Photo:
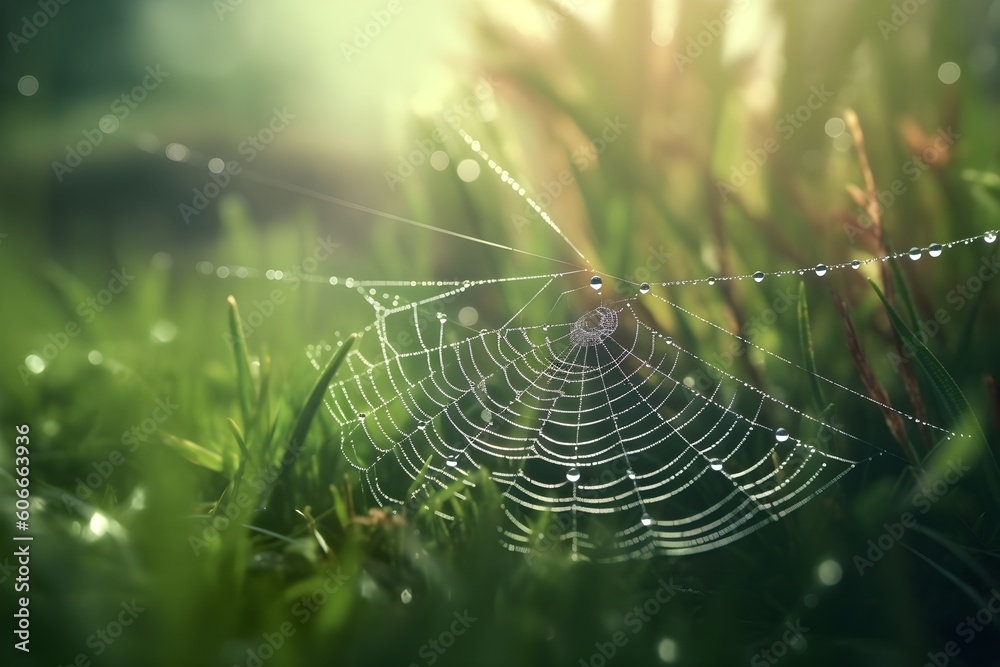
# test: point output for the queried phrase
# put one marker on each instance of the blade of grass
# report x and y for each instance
(244, 381)
(316, 396)
(944, 386)
(808, 352)
(961, 585)
(875, 390)
(195, 453)
(971, 440)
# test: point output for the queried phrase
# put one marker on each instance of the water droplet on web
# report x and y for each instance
(855, 264)
(915, 253)
(644, 288)
(711, 281)
(758, 277)
(452, 461)
(646, 519)
(630, 473)
(781, 435)
(596, 282)
(669, 340)
(935, 250)
(821, 269)
(361, 416)
(406, 597)
(990, 237)
(572, 475)
(715, 464)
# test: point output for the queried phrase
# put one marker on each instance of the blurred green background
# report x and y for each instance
(123, 125)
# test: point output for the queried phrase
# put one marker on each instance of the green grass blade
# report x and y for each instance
(944, 386)
(316, 395)
(195, 453)
(971, 442)
(808, 351)
(904, 291)
(244, 381)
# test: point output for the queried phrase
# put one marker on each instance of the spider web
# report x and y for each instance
(616, 437)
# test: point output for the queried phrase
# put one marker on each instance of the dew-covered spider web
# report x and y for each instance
(630, 439)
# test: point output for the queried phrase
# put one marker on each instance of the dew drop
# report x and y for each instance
(715, 464)
(758, 277)
(821, 269)
(630, 473)
(596, 282)
(855, 264)
(990, 237)
(406, 597)
(669, 340)
(361, 416)
(646, 519)
(915, 253)
(935, 250)
(711, 281)
(644, 288)
(451, 461)
(572, 475)
(781, 435)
